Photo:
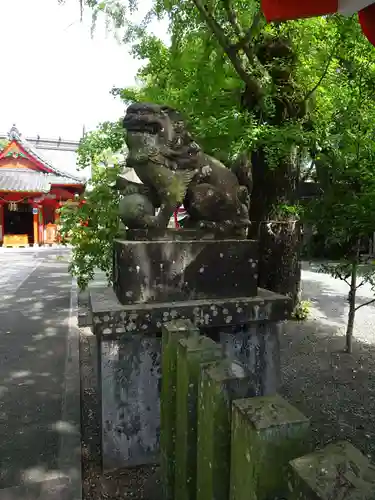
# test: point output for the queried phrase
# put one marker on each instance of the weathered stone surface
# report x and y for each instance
(338, 472)
(257, 347)
(169, 234)
(191, 353)
(220, 384)
(174, 170)
(112, 319)
(267, 432)
(130, 399)
(173, 331)
(159, 271)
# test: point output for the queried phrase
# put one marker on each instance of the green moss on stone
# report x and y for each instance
(267, 432)
(337, 472)
(191, 354)
(172, 332)
(219, 385)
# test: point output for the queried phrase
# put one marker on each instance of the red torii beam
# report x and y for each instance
(284, 10)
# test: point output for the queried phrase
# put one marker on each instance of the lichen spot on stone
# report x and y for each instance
(201, 270)
(239, 310)
(254, 264)
(106, 318)
(174, 314)
(158, 324)
(206, 170)
(107, 331)
(225, 311)
(131, 326)
(129, 293)
(221, 255)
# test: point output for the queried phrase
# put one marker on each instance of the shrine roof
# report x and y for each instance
(24, 180)
(56, 176)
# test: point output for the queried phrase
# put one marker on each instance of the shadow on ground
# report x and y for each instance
(33, 332)
(336, 390)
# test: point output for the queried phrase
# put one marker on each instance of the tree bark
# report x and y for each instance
(279, 259)
(279, 240)
(351, 314)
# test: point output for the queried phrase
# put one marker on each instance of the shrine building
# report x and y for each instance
(31, 192)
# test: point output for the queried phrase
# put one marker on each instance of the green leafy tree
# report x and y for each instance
(345, 212)
(91, 224)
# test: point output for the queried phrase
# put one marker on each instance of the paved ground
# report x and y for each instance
(336, 390)
(35, 330)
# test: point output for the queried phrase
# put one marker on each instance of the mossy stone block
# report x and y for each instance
(267, 432)
(337, 472)
(220, 384)
(191, 354)
(172, 332)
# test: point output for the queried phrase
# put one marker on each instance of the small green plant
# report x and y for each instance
(302, 310)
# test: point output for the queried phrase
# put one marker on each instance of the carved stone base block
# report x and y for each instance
(130, 389)
(179, 270)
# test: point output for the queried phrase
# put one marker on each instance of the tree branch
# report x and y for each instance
(232, 18)
(365, 304)
(361, 284)
(249, 34)
(224, 42)
(310, 93)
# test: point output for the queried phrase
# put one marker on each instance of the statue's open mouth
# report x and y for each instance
(143, 118)
(141, 126)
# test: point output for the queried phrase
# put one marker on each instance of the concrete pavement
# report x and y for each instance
(39, 378)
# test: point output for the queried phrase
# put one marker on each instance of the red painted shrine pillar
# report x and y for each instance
(41, 224)
(1, 222)
(57, 221)
(36, 225)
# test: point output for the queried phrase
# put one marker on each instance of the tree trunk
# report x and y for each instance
(279, 260)
(279, 240)
(352, 301)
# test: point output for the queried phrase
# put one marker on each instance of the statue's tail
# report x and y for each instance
(242, 168)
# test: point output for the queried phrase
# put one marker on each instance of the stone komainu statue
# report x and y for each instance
(174, 170)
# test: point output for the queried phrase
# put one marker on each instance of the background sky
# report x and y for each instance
(56, 78)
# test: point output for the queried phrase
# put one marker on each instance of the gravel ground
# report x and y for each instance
(336, 390)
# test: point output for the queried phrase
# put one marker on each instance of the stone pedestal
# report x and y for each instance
(210, 282)
(148, 272)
